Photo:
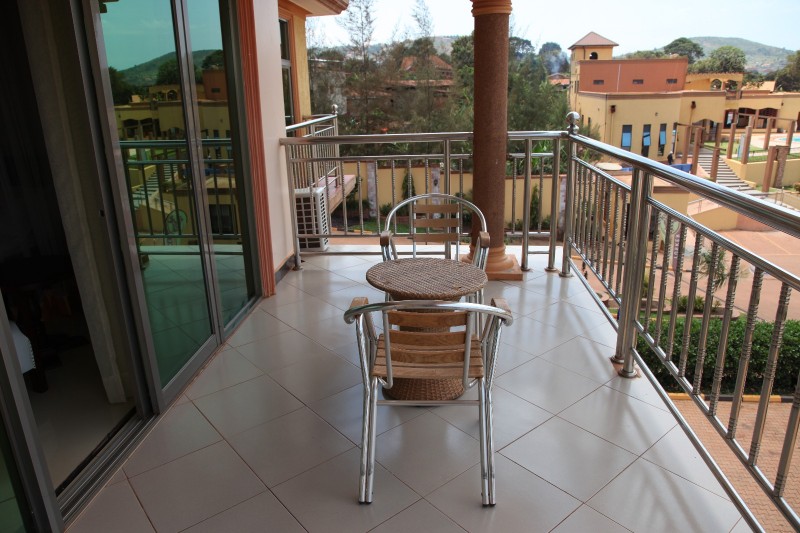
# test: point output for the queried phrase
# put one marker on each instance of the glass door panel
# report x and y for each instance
(10, 489)
(145, 79)
(224, 191)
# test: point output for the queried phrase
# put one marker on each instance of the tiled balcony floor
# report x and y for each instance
(265, 438)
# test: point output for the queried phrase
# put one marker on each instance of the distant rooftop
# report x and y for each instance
(593, 39)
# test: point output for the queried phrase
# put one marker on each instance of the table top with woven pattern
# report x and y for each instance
(426, 278)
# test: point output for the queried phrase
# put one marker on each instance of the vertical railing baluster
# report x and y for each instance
(623, 241)
(603, 270)
(709, 303)
(789, 443)
(769, 373)
(651, 276)
(597, 222)
(289, 150)
(676, 291)
(514, 197)
(662, 291)
(447, 162)
(613, 261)
(393, 166)
(555, 197)
(722, 347)
(526, 205)
(747, 351)
(687, 324)
(572, 146)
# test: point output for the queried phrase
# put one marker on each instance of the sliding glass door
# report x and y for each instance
(171, 92)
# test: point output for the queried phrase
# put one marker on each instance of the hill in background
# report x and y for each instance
(145, 74)
(760, 57)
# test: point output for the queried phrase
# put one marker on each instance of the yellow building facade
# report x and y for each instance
(655, 123)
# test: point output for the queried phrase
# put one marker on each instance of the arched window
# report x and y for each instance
(593, 55)
(716, 85)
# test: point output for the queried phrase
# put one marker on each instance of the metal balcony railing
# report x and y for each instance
(630, 247)
(162, 196)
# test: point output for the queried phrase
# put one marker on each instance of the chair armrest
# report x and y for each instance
(502, 304)
(388, 249)
(485, 240)
(358, 301)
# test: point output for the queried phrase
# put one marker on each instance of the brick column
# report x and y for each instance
(491, 128)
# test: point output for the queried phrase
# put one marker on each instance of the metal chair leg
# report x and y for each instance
(372, 436)
(362, 479)
(483, 442)
(489, 446)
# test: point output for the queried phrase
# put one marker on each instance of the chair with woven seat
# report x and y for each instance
(437, 218)
(428, 340)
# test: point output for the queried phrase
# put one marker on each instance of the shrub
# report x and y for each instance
(788, 360)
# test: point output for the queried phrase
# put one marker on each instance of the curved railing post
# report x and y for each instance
(573, 119)
(633, 276)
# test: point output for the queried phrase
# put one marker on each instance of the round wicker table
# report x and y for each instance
(426, 278)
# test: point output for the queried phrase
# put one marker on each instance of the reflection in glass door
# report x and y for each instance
(10, 488)
(222, 176)
(167, 68)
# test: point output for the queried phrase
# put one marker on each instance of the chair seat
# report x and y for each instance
(428, 362)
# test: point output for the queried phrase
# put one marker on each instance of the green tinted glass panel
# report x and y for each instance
(10, 514)
(224, 191)
(145, 80)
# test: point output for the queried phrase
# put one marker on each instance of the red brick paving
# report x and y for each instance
(754, 496)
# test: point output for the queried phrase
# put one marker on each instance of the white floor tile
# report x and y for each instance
(525, 502)
(620, 419)
(587, 519)
(426, 452)
(546, 385)
(246, 405)
(345, 409)
(569, 457)
(325, 498)
(676, 453)
(659, 495)
(282, 448)
(513, 417)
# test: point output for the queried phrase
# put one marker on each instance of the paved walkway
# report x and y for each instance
(778, 414)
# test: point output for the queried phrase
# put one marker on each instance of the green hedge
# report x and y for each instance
(788, 360)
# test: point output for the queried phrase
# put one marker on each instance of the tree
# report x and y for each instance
(121, 90)
(214, 61)
(533, 103)
(723, 59)
(168, 73)
(645, 54)
(788, 78)
(554, 59)
(686, 48)
(326, 77)
(361, 66)
(422, 52)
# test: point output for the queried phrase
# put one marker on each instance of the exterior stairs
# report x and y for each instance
(727, 178)
(725, 175)
(138, 196)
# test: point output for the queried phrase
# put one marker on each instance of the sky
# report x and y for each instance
(136, 31)
(626, 22)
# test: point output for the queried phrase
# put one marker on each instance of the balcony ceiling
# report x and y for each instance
(318, 8)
